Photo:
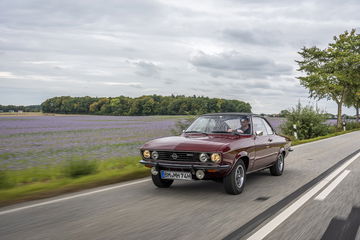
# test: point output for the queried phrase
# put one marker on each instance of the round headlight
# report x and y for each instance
(155, 155)
(216, 157)
(203, 157)
(146, 154)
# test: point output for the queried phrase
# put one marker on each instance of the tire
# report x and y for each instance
(234, 182)
(161, 183)
(278, 168)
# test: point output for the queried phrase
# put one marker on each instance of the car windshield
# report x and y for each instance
(221, 124)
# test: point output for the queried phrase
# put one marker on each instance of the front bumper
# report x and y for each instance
(184, 166)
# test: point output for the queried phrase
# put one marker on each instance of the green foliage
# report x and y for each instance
(331, 72)
(30, 108)
(352, 125)
(309, 122)
(182, 124)
(79, 167)
(145, 105)
(5, 181)
(284, 113)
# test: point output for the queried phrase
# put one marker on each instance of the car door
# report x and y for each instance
(263, 151)
(273, 142)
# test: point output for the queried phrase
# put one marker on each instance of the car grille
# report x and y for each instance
(178, 156)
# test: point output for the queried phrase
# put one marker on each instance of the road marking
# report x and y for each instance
(332, 186)
(274, 223)
(72, 197)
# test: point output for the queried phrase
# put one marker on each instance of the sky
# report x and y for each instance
(233, 49)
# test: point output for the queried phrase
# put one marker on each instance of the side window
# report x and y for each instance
(259, 125)
(268, 128)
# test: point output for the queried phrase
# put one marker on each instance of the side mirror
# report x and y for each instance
(183, 131)
(259, 133)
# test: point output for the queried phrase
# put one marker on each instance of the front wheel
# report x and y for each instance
(161, 183)
(278, 168)
(234, 182)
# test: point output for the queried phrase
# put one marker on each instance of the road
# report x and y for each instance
(285, 207)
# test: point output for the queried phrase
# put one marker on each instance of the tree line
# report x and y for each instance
(144, 105)
(333, 73)
(30, 108)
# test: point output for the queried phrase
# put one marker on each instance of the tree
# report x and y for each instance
(352, 99)
(331, 72)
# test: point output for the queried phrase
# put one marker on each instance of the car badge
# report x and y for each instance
(174, 156)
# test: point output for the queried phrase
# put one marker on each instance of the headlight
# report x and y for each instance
(203, 157)
(155, 155)
(146, 154)
(216, 157)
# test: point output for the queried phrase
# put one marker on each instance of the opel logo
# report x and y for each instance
(174, 156)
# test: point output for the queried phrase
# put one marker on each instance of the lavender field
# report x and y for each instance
(29, 141)
(32, 141)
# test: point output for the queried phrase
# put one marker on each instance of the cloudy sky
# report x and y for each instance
(233, 49)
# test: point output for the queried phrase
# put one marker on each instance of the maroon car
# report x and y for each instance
(220, 146)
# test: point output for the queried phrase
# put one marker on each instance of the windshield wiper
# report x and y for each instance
(196, 132)
(220, 132)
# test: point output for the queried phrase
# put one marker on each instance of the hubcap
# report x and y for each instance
(280, 163)
(239, 176)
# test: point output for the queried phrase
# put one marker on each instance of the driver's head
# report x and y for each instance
(244, 122)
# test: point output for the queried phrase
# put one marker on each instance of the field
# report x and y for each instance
(36, 140)
(32, 141)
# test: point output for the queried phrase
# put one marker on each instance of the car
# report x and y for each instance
(224, 147)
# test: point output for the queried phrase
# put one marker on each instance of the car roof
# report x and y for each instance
(231, 113)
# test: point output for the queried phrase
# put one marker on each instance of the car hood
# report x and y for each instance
(191, 143)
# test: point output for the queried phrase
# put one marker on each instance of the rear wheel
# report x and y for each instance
(235, 181)
(278, 168)
(161, 183)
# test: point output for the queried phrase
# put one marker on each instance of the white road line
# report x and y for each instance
(332, 186)
(275, 222)
(72, 197)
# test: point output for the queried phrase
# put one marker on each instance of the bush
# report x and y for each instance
(79, 167)
(182, 124)
(352, 125)
(309, 122)
(5, 181)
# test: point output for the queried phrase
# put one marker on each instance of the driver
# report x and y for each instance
(245, 126)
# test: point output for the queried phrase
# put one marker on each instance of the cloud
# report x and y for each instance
(233, 49)
(147, 69)
(132, 84)
(7, 75)
(253, 37)
(234, 65)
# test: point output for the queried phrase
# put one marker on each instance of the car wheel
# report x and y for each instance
(234, 182)
(161, 183)
(278, 168)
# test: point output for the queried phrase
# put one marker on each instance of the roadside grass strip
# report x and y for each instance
(37, 183)
(298, 142)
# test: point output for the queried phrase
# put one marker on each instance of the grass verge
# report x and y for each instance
(36, 183)
(297, 142)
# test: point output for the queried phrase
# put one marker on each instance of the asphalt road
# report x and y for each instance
(202, 210)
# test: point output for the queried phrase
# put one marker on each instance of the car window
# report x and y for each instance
(259, 125)
(268, 128)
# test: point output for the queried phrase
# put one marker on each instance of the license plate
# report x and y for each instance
(175, 175)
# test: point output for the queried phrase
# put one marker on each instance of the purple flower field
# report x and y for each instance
(46, 140)
(29, 141)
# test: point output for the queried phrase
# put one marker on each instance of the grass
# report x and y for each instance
(78, 174)
(297, 142)
(37, 183)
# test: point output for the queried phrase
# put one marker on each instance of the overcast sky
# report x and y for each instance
(232, 49)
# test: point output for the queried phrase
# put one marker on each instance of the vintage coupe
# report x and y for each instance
(221, 146)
